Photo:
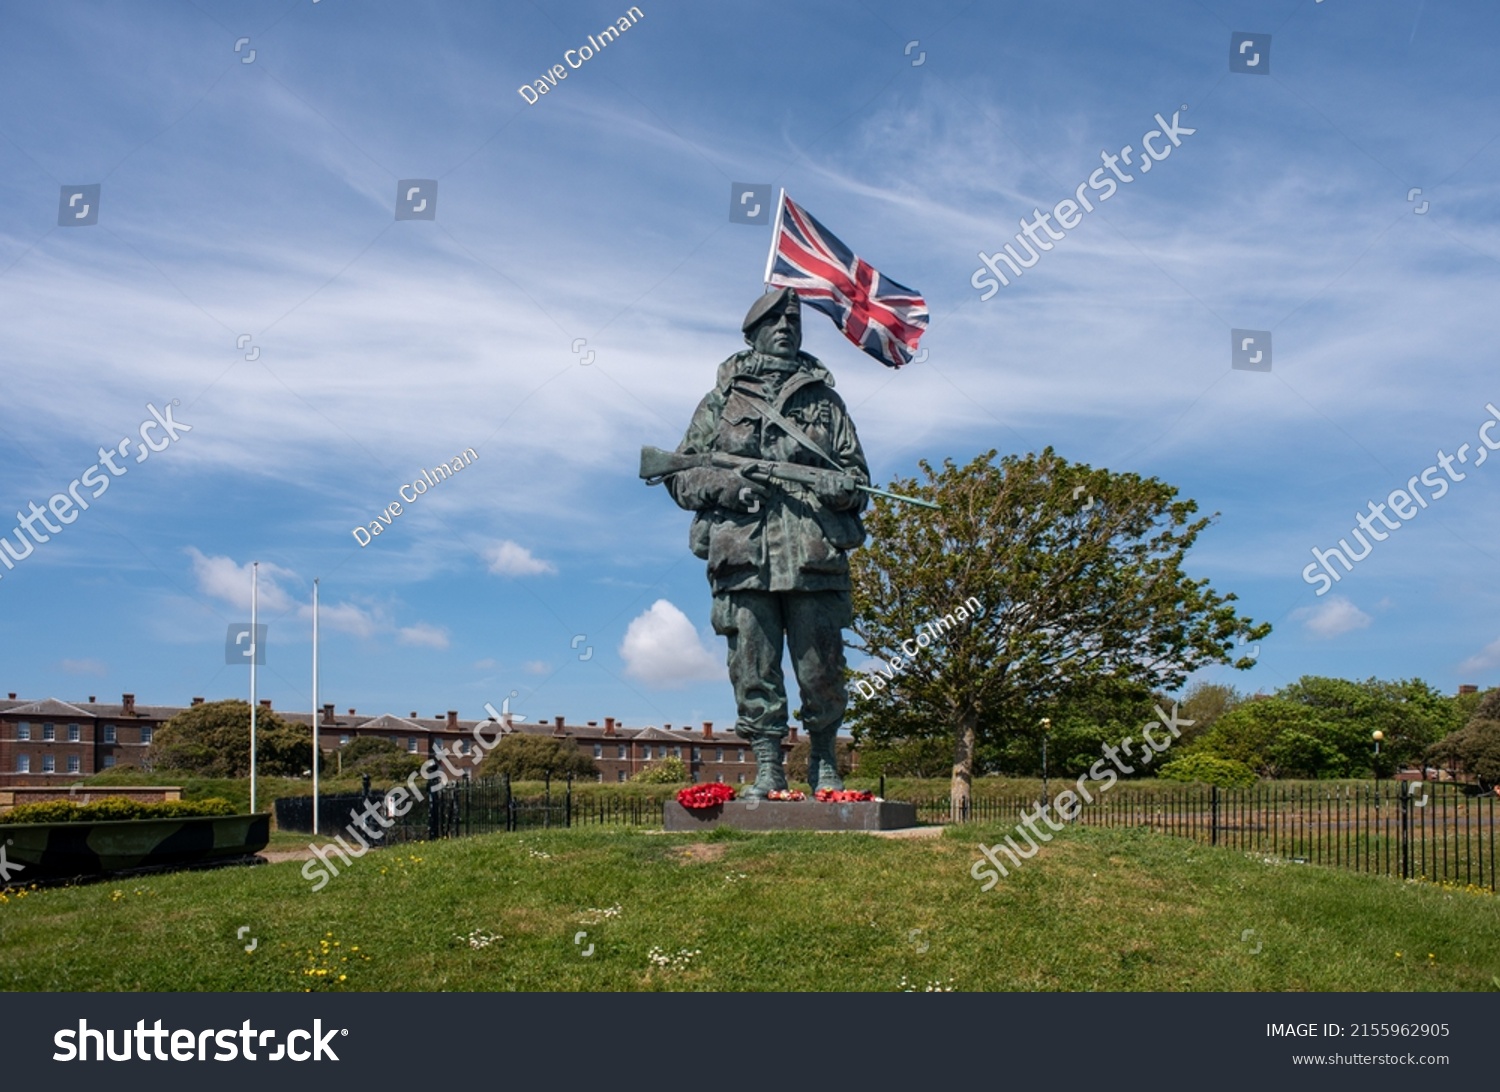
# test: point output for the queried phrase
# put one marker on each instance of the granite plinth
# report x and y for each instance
(769, 815)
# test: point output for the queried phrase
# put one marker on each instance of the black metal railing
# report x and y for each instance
(1442, 832)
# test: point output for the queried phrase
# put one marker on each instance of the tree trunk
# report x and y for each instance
(963, 765)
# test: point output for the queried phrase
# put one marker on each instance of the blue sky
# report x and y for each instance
(256, 197)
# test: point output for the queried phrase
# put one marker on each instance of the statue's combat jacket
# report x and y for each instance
(794, 542)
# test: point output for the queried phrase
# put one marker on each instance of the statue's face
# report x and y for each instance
(779, 334)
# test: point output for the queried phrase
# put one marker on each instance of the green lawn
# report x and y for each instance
(1097, 910)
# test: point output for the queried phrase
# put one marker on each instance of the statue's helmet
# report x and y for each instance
(772, 303)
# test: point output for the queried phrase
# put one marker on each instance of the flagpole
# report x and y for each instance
(775, 235)
(254, 655)
(317, 751)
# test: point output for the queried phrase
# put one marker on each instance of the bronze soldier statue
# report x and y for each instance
(773, 469)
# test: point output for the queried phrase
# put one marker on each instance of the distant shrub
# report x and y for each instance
(664, 771)
(1227, 773)
(113, 808)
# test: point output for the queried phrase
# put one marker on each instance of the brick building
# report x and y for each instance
(51, 741)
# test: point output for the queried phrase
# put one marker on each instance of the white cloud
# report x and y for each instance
(424, 635)
(230, 583)
(1337, 616)
(662, 649)
(84, 667)
(507, 558)
(537, 667)
(486, 664)
(347, 618)
(1486, 659)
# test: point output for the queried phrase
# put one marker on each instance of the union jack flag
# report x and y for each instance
(883, 318)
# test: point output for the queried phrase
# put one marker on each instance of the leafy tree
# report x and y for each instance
(1204, 704)
(213, 740)
(379, 758)
(1474, 748)
(1031, 595)
(528, 757)
(664, 771)
(915, 757)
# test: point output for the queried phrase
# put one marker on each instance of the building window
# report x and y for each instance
(146, 733)
(109, 733)
(624, 751)
(49, 764)
(677, 752)
(49, 731)
(718, 754)
(742, 779)
(109, 761)
(343, 738)
(465, 746)
(697, 754)
(73, 736)
(23, 730)
(646, 751)
(72, 763)
(741, 758)
(411, 744)
(598, 750)
(23, 763)
(619, 775)
(720, 779)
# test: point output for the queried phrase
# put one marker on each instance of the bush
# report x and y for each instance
(113, 808)
(664, 771)
(381, 759)
(527, 757)
(797, 758)
(213, 740)
(1227, 773)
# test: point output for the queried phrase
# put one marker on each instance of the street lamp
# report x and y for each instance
(1046, 727)
(1377, 736)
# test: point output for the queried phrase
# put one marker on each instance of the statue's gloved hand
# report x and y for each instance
(713, 487)
(840, 494)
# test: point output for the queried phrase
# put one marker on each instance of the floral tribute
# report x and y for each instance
(786, 794)
(842, 796)
(709, 794)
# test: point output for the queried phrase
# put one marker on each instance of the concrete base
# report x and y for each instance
(766, 815)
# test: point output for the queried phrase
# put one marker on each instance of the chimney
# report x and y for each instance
(559, 722)
(92, 699)
(13, 697)
(593, 724)
(708, 729)
(265, 703)
(794, 733)
(609, 726)
(666, 727)
(328, 714)
(1466, 688)
(453, 719)
(197, 701)
(351, 712)
(127, 701)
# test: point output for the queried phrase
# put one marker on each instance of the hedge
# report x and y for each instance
(113, 808)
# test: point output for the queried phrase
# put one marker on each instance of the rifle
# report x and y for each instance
(658, 465)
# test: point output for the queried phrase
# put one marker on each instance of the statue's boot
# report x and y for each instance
(823, 762)
(769, 775)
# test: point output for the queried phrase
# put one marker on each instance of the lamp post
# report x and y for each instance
(1377, 736)
(1046, 723)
